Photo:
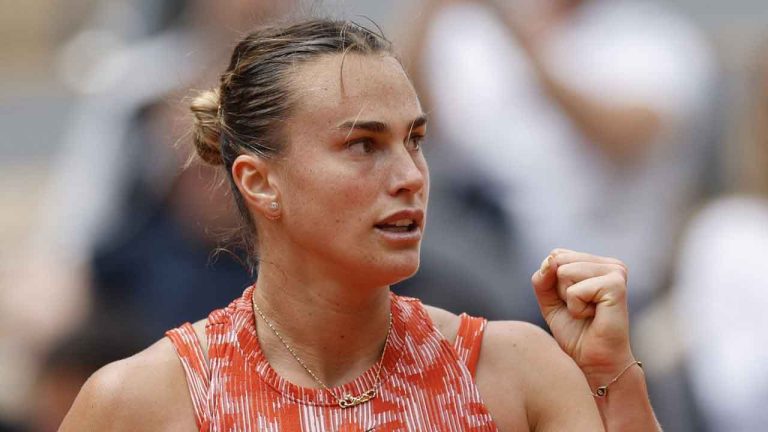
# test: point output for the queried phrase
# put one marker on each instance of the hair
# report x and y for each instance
(245, 114)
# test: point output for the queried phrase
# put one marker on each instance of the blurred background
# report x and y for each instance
(630, 128)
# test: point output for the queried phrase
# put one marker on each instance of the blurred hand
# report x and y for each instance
(583, 299)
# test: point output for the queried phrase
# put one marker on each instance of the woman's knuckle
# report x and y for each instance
(616, 278)
(559, 251)
(620, 270)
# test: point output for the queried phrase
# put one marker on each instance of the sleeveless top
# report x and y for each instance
(426, 383)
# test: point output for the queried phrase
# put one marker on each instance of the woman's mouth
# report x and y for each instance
(398, 226)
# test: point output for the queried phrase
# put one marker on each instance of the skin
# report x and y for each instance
(325, 272)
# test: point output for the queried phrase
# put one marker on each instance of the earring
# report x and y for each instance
(274, 211)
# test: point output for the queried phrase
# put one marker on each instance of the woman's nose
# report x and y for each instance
(409, 173)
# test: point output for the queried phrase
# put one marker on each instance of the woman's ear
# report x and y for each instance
(252, 178)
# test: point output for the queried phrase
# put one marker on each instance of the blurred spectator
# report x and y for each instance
(155, 263)
(71, 361)
(158, 266)
(721, 293)
(118, 161)
(108, 191)
(590, 117)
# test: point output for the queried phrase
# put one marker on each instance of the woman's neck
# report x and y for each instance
(336, 328)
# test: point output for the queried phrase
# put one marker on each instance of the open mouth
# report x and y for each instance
(399, 226)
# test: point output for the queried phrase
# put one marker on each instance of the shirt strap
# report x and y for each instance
(469, 338)
(190, 352)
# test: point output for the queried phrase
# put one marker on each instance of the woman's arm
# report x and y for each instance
(529, 383)
(626, 406)
(146, 392)
(583, 298)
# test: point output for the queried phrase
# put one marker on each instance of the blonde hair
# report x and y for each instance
(207, 127)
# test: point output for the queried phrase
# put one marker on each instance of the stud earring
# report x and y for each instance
(274, 211)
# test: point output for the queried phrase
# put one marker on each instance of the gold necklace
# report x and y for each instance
(347, 400)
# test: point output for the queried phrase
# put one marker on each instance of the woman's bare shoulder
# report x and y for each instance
(147, 391)
(498, 334)
(522, 338)
(447, 323)
(523, 373)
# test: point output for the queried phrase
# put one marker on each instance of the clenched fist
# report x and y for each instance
(583, 299)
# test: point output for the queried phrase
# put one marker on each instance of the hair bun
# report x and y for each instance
(207, 127)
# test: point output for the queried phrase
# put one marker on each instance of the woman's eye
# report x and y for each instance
(415, 141)
(361, 146)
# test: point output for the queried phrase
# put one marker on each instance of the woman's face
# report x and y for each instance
(354, 184)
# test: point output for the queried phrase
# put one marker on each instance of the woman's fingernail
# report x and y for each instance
(545, 265)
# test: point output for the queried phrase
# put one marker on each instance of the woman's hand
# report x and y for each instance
(583, 299)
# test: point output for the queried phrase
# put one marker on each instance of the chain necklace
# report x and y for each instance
(347, 400)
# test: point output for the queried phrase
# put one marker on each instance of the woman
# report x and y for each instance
(320, 132)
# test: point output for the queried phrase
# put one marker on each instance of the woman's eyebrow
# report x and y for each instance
(377, 126)
(369, 125)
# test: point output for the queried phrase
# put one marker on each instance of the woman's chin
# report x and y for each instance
(382, 269)
(398, 272)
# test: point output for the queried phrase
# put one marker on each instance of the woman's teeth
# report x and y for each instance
(401, 225)
(403, 222)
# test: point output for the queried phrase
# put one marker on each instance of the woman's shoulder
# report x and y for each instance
(447, 323)
(519, 336)
(523, 373)
(512, 348)
(498, 335)
(147, 391)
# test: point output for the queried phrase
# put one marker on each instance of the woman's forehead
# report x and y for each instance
(353, 85)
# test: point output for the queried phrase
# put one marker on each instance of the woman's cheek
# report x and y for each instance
(360, 191)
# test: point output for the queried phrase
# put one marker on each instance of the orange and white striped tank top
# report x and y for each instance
(426, 383)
